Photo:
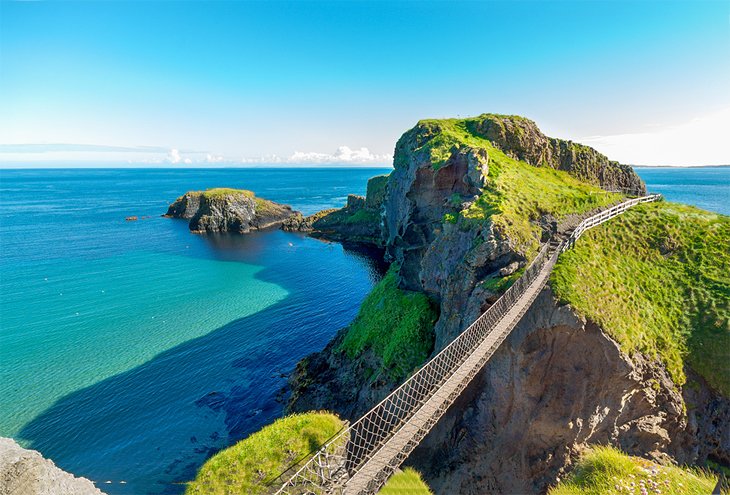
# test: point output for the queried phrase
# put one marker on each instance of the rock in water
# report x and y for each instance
(228, 210)
(26, 472)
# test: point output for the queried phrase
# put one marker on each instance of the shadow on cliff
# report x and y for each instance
(154, 425)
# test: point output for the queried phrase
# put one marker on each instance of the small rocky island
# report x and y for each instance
(238, 211)
(228, 210)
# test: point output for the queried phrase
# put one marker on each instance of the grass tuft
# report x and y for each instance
(247, 466)
(608, 471)
(405, 482)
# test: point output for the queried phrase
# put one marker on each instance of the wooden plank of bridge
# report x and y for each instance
(359, 482)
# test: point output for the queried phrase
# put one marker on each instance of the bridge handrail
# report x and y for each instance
(366, 435)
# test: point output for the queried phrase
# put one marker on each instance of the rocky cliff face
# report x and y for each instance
(228, 210)
(450, 261)
(26, 472)
(559, 382)
(522, 139)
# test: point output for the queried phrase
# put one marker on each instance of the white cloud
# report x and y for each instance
(702, 141)
(174, 156)
(343, 154)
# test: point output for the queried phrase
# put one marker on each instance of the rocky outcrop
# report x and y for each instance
(228, 210)
(451, 262)
(330, 380)
(359, 221)
(522, 139)
(557, 384)
(26, 472)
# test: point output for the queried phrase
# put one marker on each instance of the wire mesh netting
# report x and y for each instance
(361, 457)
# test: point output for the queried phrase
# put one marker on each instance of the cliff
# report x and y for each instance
(465, 209)
(26, 472)
(228, 210)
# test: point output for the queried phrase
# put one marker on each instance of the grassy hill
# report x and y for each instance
(657, 279)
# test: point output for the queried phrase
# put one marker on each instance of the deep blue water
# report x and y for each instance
(705, 187)
(131, 351)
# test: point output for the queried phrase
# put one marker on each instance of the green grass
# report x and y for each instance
(499, 285)
(516, 193)
(396, 324)
(263, 206)
(363, 216)
(221, 192)
(607, 471)
(657, 279)
(406, 482)
(247, 466)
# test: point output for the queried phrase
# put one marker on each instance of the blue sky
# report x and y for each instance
(177, 83)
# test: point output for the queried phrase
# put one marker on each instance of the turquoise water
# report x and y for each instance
(130, 351)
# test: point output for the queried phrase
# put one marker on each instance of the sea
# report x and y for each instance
(131, 351)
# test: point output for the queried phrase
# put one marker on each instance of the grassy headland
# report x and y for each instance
(657, 279)
(247, 466)
(607, 471)
(516, 193)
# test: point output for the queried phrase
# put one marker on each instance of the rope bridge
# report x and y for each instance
(361, 458)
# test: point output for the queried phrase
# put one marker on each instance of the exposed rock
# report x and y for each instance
(522, 139)
(228, 210)
(330, 380)
(26, 472)
(559, 382)
(556, 384)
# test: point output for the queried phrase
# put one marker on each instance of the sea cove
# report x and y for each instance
(130, 350)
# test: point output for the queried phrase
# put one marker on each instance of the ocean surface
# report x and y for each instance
(705, 187)
(132, 351)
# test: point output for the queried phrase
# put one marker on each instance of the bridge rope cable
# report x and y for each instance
(361, 457)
